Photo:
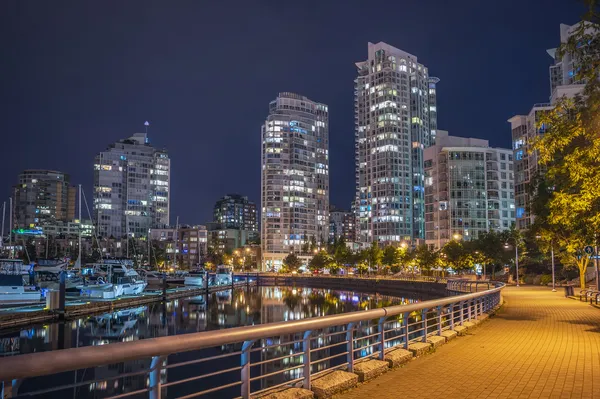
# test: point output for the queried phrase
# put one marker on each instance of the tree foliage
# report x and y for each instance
(567, 197)
(292, 262)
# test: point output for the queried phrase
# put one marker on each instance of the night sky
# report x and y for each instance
(78, 75)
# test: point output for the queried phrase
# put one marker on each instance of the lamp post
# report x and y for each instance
(516, 254)
(552, 255)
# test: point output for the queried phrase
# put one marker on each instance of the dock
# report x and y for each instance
(77, 306)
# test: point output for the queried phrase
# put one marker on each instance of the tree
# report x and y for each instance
(313, 244)
(341, 254)
(375, 255)
(569, 153)
(426, 259)
(390, 256)
(319, 261)
(456, 256)
(292, 262)
(361, 267)
(489, 250)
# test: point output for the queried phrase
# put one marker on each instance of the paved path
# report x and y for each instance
(540, 345)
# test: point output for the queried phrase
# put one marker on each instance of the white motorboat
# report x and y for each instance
(12, 290)
(224, 275)
(195, 278)
(115, 280)
(151, 277)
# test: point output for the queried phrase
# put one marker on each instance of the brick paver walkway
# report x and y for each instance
(540, 345)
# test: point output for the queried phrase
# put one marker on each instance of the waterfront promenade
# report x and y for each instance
(539, 345)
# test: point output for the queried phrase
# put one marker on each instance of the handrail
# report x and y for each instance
(37, 364)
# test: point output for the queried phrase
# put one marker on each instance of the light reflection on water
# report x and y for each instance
(226, 309)
(254, 305)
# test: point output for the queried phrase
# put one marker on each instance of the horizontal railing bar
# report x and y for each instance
(36, 364)
(365, 346)
(278, 386)
(368, 336)
(202, 360)
(328, 335)
(339, 366)
(124, 395)
(196, 394)
(328, 346)
(260, 377)
(274, 345)
(88, 382)
(329, 358)
(275, 359)
(199, 377)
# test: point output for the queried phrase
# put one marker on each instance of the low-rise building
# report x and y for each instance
(185, 246)
(225, 240)
(469, 189)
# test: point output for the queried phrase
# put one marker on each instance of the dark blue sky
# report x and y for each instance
(78, 75)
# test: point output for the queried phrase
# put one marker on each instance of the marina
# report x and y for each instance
(76, 306)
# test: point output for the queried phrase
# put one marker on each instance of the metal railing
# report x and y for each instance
(365, 276)
(251, 359)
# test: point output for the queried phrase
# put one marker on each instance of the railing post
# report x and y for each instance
(451, 309)
(154, 377)
(470, 310)
(350, 346)
(439, 315)
(424, 316)
(382, 335)
(462, 312)
(306, 349)
(406, 316)
(245, 372)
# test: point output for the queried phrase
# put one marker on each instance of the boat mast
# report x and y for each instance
(149, 240)
(80, 228)
(2, 232)
(10, 223)
(176, 242)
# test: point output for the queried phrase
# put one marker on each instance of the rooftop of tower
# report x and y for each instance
(373, 48)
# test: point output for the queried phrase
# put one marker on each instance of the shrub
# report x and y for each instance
(546, 279)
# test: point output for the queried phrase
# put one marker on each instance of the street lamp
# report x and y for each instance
(456, 236)
(516, 254)
(484, 271)
(552, 257)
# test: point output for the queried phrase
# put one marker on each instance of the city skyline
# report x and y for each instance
(82, 108)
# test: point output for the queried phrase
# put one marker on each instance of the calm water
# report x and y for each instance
(250, 306)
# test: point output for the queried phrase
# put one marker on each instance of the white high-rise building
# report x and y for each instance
(525, 128)
(395, 116)
(468, 189)
(131, 188)
(294, 177)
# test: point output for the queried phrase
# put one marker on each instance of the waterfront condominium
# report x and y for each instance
(395, 117)
(294, 177)
(131, 188)
(525, 128)
(468, 189)
(234, 211)
(42, 198)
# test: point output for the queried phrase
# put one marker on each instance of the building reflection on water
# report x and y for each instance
(226, 309)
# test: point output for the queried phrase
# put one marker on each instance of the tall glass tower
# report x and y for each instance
(294, 177)
(395, 116)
